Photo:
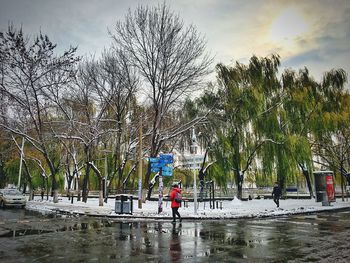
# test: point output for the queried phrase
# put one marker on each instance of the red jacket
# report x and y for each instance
(173, 195)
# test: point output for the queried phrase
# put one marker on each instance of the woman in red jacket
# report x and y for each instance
(175, 198)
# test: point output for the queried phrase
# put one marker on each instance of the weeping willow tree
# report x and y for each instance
(299, 121)
(270, 124)
(249, 98)
(292, 126)
(300, 105)
(331, 133)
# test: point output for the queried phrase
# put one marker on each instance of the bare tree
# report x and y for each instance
(84, 120)
(72, 166)
(31, 74)
(27, 172)
(116, 84)
(171, 59)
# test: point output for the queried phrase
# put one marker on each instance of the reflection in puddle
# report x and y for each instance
(103, 240)
(22, 232)
(28, 227)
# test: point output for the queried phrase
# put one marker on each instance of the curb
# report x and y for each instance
(190, 218)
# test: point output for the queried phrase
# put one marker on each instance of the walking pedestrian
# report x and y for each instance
(42, 194)
(176, 199)
(276, 194)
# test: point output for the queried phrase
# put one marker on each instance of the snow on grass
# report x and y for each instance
(230, 209)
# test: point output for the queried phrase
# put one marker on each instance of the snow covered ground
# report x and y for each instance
(230, 209)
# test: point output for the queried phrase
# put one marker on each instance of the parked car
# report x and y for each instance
(12, 197)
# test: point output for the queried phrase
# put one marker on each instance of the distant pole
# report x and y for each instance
(193, 150)
(140, 166)
(195, 191)
(213, 191)
(105, 196)
(20, 164)
(160, 190)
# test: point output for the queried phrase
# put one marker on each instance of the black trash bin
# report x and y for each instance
(123, 204)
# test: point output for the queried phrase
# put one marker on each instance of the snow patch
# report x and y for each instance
(236, 202)
(234, 208)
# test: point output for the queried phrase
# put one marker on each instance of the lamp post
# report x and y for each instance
(20, 165)
(195, 190)
(106, 176)
(105, 192)
(140, 167)
(193, 150)
(160, 192)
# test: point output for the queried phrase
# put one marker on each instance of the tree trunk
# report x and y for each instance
(239, 181)
(29, 180)
(201, 175)
(151, 186)
(147, 176)
(308, 180)
(101, 181)
(47, 188)
(54, 189)
(147, 184)
(342, 183)
(31, 194)
(86, 183)
(100, 192)
(201, 184)
(281, 183)
(69, 186)
(342, 188)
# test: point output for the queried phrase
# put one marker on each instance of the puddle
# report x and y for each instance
(36, 239)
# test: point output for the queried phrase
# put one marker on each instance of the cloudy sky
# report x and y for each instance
(311, 33)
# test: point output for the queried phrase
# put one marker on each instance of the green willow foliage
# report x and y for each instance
(267, 123)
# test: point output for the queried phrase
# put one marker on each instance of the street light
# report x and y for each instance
(105, 195)
(193, 150)
(20, 165)
(140, 167)
(195, 191)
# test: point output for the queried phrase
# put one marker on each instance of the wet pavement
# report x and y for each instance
(321, 237)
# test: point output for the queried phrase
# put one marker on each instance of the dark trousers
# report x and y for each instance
(175, 212)
(277, 201)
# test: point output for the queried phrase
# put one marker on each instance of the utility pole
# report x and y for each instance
(105, 194)
(195, 190)
(140, 166)
(20, 164)
(160, 191)
(193, 150)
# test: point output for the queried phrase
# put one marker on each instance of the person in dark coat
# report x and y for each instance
(175, 205)
(276, 194)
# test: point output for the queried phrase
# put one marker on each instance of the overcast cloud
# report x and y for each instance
(312, 33)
